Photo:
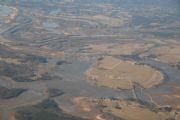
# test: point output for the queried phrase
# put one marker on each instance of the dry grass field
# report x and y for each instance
(172, 99)
(168, 54)
(121, 74)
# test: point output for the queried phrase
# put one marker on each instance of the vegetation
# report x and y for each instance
(6, 93)
(53, 92)
(61, 62)
(19, 73)
(34, 58)
(8, 53)
(5, 52)
(46, 110)
(178, 66)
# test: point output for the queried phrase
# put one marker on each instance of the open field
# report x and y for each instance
(121, 74)
(168, 54)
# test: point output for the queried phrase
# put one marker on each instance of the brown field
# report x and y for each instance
(167, 99)
(172, 99)
(121, 74)
(168, 53)
(124, 109)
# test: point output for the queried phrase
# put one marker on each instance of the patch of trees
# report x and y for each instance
(5, 52)
(53, 92)
(61, 62)
(6, 93)
(34, 58)
(19, 73)
(46, 110)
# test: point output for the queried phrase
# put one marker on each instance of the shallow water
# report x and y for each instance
(4, 11)
(55, 12)
(49, 24)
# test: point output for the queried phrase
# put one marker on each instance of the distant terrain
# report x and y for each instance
(89, 60)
